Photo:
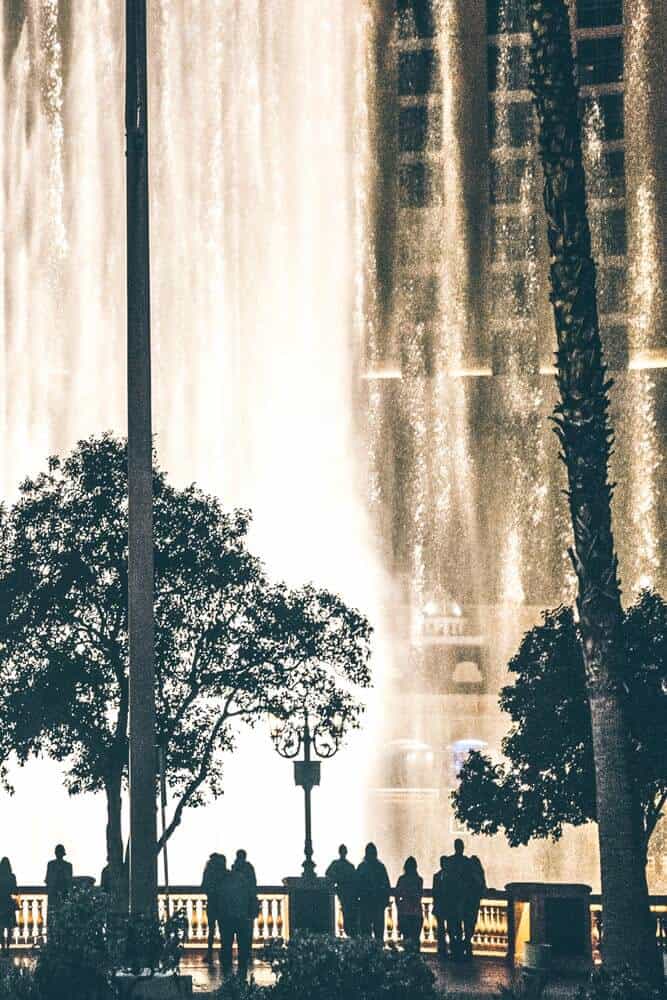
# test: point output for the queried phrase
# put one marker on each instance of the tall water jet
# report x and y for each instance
(259, 149)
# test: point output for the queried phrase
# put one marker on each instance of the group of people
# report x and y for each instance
(231, 905)
(364, 891)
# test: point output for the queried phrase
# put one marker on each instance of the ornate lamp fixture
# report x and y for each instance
(323, 742)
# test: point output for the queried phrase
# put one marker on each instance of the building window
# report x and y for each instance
(611, 226)
(417, 128)
(615, 347)
(418, 73)
(508, 179)
(607, 180)
(600, 60)
(508, 67)
(611, 113)
(511, 124)
(506, 17)
(599, 13)
(612, 290)
(416, 18)
(416, 185)
(511, 237)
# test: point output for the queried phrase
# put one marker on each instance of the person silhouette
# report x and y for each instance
(238, 905)
(475, 888)
(440, 905)
(373, 890)
(7, 904)
(462, 895)
(247, 871)
(212, 884)
(344, 877)
(58, 880)
(409, 891)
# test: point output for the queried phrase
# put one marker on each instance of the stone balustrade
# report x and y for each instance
(272, 921)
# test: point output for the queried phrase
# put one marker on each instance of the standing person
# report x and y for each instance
(212, 885)
(246, 869)
(457, 883)
(373, 889)
(475, 889)
(7, 904)
(344, 877)
(58, 880)
(409, 891)
(237, 911)
(440, 905)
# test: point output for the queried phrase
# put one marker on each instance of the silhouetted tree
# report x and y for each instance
(548, 779)
(230, 645)
(584, 431)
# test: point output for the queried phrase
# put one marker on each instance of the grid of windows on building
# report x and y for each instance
(419, 119)
(512, 132)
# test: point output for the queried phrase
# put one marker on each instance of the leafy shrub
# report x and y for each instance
(619, 984)
(318, 967)
(142, 942)
(86, 944)
(235, 988)
(75, 960)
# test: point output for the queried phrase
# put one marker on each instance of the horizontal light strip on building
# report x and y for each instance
(646, 360)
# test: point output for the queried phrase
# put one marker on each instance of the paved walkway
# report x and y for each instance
(480, 980)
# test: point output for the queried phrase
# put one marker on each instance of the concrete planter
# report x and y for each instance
(157, 987)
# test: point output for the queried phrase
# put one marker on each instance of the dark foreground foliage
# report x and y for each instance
(619, 984)
(615, 984)
(87, 944)
(319, 967)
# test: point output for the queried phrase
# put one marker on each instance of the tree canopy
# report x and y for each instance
(547, 779)
(231, 645)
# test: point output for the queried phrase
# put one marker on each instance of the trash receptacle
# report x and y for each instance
(556, 914)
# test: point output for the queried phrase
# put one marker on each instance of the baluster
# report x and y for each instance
(279, 919)
(204, 919)
(270, 920)
(389, 922)
(30, 923)
(425, 932)
(261, 922)
(40, 921)
(194, 920)
(20, 922)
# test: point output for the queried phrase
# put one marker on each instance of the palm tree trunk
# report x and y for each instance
(584, 431)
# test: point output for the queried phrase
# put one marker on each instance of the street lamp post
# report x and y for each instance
(289, 742)
(143, 859)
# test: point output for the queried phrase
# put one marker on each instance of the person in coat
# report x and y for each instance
(344, 877)
(409, 891)
(238, 902)
(440, 906)
(58, 880)
(475, 890)
(211, 883)
(373, 890)
(461, 889)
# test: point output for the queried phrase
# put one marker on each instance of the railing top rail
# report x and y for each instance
(196, 890)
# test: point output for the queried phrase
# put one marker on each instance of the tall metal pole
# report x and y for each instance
(308, 864)
(143, 827)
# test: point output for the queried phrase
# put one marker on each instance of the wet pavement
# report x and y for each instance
(480, 980)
